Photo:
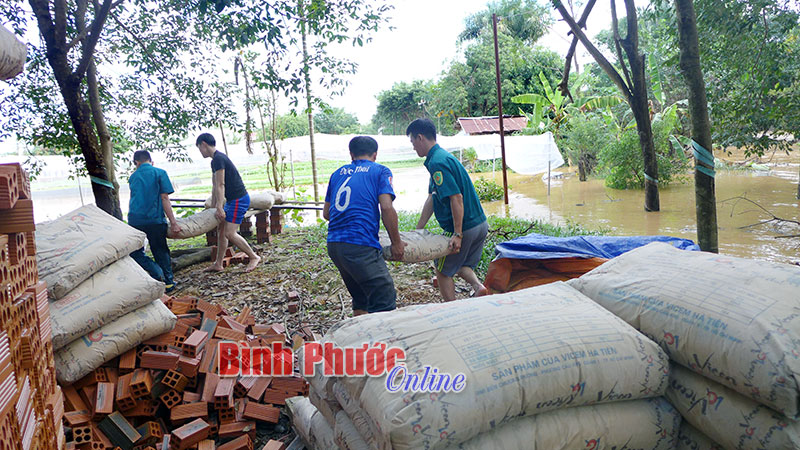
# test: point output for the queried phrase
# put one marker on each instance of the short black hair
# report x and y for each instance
(207, 138)
(141, 156)
(363, 145)
(424, 127)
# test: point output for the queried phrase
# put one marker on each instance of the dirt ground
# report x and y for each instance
(297, 260)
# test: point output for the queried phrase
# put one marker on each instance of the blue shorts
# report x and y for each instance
(235, 209)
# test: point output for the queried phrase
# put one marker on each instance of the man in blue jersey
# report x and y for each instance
(359, 195)
(150, 189)
(452, 198)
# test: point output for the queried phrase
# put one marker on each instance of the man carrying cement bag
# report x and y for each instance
(150, 189)
(452, 198)
(361, 193)
(231, 201)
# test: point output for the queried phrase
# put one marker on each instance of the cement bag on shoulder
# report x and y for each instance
(259, 200)
(644, 424)
(690, 438)
(522, 353)
(12, 54)
(422, 245)
(112, 292)
(196, 224)
(731, 419)
(89, 352)
(346, 435)
(75, 246)
(309, 423)
(734, 320)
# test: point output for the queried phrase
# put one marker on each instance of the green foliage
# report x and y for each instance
(401, 104)
(586, 136)
(488, 190)
(751, 64)
(621, 159)
(336, 121)
(524, 20)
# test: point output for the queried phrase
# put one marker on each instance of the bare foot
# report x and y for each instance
(213, 268)
(252, 264)
(481, 292)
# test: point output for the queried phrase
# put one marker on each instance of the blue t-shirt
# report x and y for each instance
(353, 193)
(147, 184)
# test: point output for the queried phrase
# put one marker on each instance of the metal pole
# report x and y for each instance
(500, 107)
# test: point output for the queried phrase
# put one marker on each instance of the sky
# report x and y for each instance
(424, 40)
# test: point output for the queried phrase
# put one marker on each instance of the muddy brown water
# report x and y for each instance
(621, 212)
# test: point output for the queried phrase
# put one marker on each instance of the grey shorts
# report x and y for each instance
(470, 254)
(366, 276)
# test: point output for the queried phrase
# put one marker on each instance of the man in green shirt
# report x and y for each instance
(452, 198)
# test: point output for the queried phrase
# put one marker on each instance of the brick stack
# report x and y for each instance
(31, 405)
(166, 393)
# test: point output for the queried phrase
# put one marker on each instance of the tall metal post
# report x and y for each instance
(500, 107)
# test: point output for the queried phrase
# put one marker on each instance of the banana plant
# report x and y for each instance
(552, 110)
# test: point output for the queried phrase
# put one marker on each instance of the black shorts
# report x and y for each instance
(366, 276)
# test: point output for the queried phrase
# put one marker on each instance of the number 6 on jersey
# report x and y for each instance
(344, 191)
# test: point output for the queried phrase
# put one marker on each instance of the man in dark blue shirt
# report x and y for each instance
(150, 189)
(360, 194)
(231, 200)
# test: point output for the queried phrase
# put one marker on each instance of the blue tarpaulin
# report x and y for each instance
(539, 246)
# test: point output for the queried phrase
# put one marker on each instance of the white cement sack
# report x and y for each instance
(346, 435)
(112, 292)
(422, 245)
(196, 224)
(690, 438)
(524, 352)
(12, 54)
(639, 424)
(736, 321)
(89, 352)
(259, 200)
(366, 427)
(328, 408)
(731, 419)
(309, 423)
(75, 246)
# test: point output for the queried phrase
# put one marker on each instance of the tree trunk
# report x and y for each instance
(704, 189)
(106, 147)
(309, 110)
(639, 106)
(635, 90)
(581, 169)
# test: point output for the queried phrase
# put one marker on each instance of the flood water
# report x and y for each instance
(595, 206)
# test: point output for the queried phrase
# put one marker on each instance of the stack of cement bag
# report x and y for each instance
(101, 302)
(731, 327)
(545, 368)
(206, 220)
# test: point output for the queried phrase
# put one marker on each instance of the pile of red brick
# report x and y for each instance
(167, 394)
(31, 403)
